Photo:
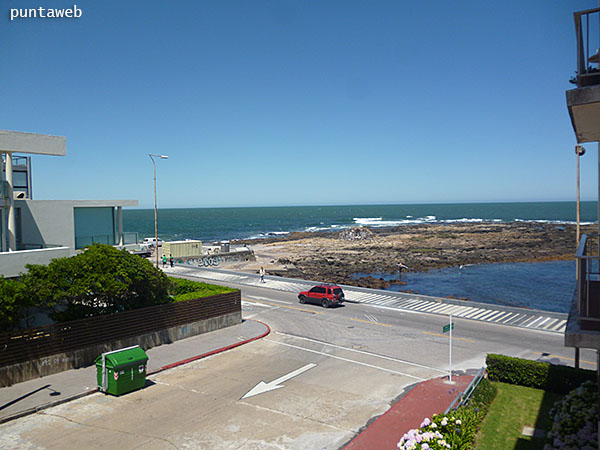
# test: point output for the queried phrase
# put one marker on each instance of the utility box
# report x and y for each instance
(182, 249)
(121, 371)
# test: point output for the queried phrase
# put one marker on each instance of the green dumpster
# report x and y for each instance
(121, 371)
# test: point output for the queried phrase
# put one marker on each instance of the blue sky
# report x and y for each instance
(298, 102)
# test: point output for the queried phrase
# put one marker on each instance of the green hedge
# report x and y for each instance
(182, 289)
(536, 374)
(484, 394)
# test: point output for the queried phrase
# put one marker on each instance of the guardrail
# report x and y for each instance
(587, 29)
(588, 281)
(107, 239)
(464, 396)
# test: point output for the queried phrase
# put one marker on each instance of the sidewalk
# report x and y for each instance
(425, 399)
(33, 395)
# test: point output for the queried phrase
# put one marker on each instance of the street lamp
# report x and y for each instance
(152, 156)
(579, 151)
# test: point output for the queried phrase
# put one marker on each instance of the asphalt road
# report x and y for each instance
(322, 374)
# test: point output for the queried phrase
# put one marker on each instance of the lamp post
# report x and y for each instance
(152, 156)
(579, 151)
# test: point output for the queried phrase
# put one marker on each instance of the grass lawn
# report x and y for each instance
(514, 408)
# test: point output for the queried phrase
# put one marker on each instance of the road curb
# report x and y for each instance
(154, 372)
(213, 352)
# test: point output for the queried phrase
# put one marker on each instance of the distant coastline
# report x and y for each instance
(250, 223)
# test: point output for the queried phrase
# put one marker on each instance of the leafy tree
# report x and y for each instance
(100, 280)
(14, 304)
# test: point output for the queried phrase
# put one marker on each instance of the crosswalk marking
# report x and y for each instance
(402, 301)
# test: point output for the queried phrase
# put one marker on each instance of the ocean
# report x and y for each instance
(215, 224)
(546, 285)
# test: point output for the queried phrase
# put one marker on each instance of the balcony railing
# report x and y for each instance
(108, 239)
(588, 282)
(3, 189)
(587, 28)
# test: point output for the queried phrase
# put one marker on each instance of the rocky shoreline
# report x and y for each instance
(337, 257)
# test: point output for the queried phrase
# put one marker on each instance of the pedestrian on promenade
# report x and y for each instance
(262, 274)
(171, 260)
(164, 260)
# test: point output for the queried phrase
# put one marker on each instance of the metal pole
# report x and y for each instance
(579, 153)
(155, 215)
(450, 364)
(156, 205)
(12, 227)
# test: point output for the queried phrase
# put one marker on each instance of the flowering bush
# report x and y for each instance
(575, 420)
(439, 433)
(456, 430)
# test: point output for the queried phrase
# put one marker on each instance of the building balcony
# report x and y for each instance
(583, 326)
(584, 101)
(587, 30)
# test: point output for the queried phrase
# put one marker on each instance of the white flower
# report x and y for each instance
(458, 422)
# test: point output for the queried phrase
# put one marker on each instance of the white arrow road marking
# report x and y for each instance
(266, 387)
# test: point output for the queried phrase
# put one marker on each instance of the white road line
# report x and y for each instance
(510, 316)
(424, 306)
(551, 324)
(501, 316)
(346, 359)
(360, 351)
(246, 302)
(541, 324)
(473, 313)
(561, 323)
(467, 310)
(267, 299)
(487, 316)
(493, 317)
(430, 307)
(528, 323)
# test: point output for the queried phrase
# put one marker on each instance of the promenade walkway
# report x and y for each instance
(518, 317)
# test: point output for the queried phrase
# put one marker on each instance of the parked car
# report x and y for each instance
(152, 241)
(325, 295)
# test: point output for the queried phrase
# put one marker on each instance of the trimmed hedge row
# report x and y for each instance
(182, 289)
(536, 374)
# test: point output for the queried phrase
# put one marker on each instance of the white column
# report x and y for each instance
(120, 224)
(12, 227)
(5, 205)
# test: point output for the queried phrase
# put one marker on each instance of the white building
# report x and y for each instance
(37, 231)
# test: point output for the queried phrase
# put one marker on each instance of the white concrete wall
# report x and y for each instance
(13, 263)
(47, 222)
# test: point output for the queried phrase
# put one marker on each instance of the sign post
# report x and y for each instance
(446, 329)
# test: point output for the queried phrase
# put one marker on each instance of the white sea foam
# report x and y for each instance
(379, 222)
(557, 222)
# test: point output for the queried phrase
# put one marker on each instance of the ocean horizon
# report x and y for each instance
(544, 285)
(230, 223)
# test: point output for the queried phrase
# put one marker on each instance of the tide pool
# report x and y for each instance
(547, 286)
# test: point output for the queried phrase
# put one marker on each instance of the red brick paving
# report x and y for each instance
(427, 398)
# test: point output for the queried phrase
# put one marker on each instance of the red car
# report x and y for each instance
(325, 295)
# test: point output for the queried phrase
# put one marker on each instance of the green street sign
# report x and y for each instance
(447, 327)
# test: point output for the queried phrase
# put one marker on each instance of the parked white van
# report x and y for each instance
(152, 241)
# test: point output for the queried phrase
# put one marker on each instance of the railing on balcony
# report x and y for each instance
(3, 189)
(587, 28)
(108, 239)
(588, 282)
(130, 238)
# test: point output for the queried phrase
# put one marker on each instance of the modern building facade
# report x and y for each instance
(583, 102)
(37, 231)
